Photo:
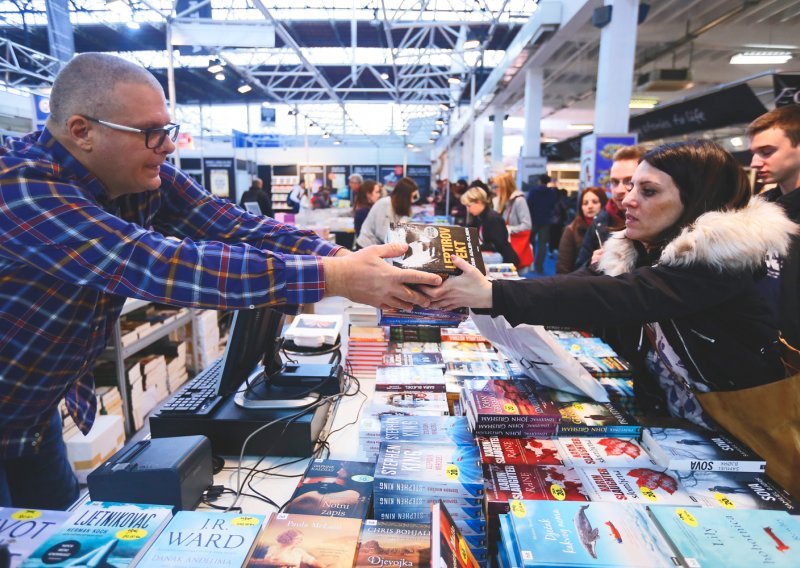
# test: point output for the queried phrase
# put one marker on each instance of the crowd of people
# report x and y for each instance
(696, 275)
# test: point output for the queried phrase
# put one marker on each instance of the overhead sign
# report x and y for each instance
(597, 153)
(213, 33)
(725, 107)
(41, 110)
(245, 140)
(787, 89)
(267, 116)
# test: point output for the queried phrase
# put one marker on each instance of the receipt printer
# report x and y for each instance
(162, 471)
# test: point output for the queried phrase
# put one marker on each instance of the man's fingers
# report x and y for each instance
(390, 250)
(419, 277)
(462, 264)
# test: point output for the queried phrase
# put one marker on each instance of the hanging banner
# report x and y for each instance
(787, 89)
(41, 110)
(245, 140)
(59, 30)
(734, 105)
(564, 150)
(597, 151)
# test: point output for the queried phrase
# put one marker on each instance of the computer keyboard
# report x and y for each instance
(199, 395)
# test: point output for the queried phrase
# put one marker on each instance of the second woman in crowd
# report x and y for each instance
(510, 203)
(491, 227)
(592, 201)
(367, 194)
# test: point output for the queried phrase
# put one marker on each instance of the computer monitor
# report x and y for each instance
(253, 207)
(254, 338)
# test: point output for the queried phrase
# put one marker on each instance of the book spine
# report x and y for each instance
(611, 430)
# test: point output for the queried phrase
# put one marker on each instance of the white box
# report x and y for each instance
(86, 453)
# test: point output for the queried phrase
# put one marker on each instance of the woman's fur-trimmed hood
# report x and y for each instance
(726, 240)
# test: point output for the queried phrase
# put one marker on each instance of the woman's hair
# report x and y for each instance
(401, 196)
(707, 177)
(360, 198)
(505, 187)
(598, 191)
(287, 536)
(475, 195)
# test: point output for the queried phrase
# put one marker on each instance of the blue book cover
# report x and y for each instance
(23, 530)
(596, 419)
(565, 533)
(684, 449)
(102, 534)
(422, 512)
(732, 490)
(384, 501)
(716, 537)
(205, 538)
(508, 544)
(426, 430)
(333, 488)
(423, 467)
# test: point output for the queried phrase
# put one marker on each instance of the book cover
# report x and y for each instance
(430, 247)
(596, 419)
(505, 483)
(333, 488)
(603, 452)
(508, 550)
(638, 485)
(565, 533)
(736, 490)
(23, 530)
(501, 450)
(426, 467)
(460, 335)
(499, 401)
(294, 541)
(205, 538)
(409, 375)
(102, 534)
(412, 359)
(414, 347)
(476, 368)
(466, 347)
(448, 547)
(408, 400)
(426, 430)
(689, 450)
(393, 544)
(587, 346)
(720, 537)
(368, 334)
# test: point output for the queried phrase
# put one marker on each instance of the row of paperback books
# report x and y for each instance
(552, 533)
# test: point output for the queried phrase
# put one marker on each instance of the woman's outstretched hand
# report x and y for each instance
(470, 289)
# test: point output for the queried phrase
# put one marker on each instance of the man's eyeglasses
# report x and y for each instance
(153, 137)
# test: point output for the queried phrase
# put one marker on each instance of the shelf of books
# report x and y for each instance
(445, 452)
(281, 187)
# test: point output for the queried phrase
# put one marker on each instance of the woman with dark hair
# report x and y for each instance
(368, 192)
(491, 226)
(592, 201)
(390, 209)
(682, 273)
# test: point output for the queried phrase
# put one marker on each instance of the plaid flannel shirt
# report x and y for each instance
(69, 257)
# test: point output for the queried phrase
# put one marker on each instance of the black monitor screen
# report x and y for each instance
(254, 338)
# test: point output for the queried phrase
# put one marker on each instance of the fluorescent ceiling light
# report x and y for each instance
(643, 103)
(548, 139)
(244, 88)
(326, 135)
(337, 142)
(761, 58)
(454, 80)
(580, 126)
(219, 76)
(133, 25)
(385, 76)
(444, 106)
(410, 145)
(736, 142)
(472, 44)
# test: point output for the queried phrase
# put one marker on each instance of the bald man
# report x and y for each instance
(86, 209)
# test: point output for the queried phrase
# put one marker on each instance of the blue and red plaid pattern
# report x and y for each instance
(69, 257)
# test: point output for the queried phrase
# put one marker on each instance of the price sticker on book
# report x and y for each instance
(451, 471)
(510, 408)
(648, 493)
(724, 500)
(26, 515)
(131, 534)
(244, 521)
(577, 406)
(558, 492)
(686, 517)
(518, 508)
(462, 550)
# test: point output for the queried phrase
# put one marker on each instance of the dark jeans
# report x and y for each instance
(539, 234)
(40, 481)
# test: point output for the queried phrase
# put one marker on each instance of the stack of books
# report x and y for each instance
(414, 429)
(365, 349)
(509, 408)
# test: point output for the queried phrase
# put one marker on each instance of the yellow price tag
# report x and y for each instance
(131, 534)
(510, 408)
(26, 515)
(517, 508)
(724, 500)
(575, 347)
(558, 492)
(451, 471)
(577, 406)
(648, 493)
(245, 521)
(686, 517)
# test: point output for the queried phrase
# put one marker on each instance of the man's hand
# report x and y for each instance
(470, 289)
(596, 256)
(365, 277)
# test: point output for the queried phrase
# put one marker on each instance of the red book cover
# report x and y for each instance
(530, 482)
(518, 451)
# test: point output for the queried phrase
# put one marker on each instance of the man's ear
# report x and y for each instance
(80, 132)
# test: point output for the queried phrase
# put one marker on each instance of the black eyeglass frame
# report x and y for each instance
(171, 129)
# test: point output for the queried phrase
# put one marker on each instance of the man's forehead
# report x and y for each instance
(769, 137)
(624, 168)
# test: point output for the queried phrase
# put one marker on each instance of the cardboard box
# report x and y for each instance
(105, 438)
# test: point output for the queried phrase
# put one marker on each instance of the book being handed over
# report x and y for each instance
(430, 247)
